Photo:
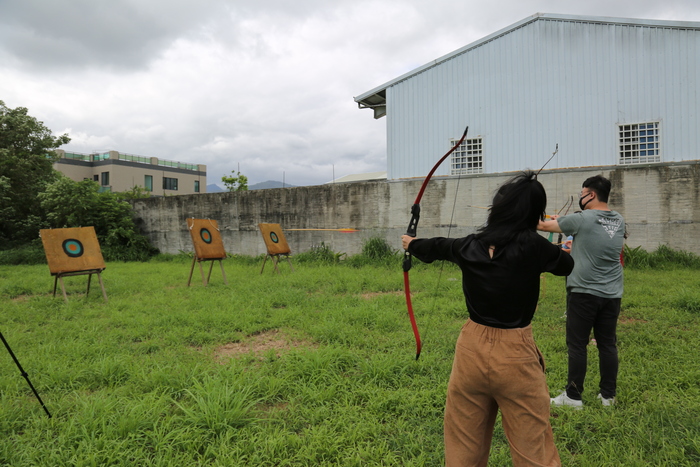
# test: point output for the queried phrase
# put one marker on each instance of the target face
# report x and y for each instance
(73, 247)
(206, 238)
(275, 242)
(206, 235)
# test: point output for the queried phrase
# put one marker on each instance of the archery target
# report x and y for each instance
(206, 238)
(72, 250)
(73, 247)
(206, 235)
(275, 242)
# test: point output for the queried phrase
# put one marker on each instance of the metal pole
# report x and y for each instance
(24, 373)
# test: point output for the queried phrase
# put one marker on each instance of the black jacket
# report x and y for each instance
(502, 291)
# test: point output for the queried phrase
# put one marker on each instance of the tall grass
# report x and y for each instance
(312, 367)
(663, 257)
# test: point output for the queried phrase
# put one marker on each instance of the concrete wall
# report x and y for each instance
(660, 202)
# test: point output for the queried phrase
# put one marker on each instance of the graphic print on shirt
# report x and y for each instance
(611, 226)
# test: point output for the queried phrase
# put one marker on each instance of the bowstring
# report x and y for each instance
(442, 263)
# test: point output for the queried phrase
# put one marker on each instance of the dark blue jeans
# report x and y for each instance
(583, 313)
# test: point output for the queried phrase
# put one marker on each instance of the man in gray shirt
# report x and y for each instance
(594, 289)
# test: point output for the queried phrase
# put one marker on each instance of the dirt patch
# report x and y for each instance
(259, 345)
(270, 410)
(628, 320)
(21, 298)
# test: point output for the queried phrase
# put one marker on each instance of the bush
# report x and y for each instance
(74, 204)
(321, 254)
(32, 253)
(636, 258)
(125, 244)
(377, 248)
(664, 257)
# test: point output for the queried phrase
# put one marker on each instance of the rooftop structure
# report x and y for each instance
(117, 172)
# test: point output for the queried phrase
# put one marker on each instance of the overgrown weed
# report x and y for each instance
(663, 257)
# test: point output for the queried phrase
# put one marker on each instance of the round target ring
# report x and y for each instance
(206, 235)
(73, 247)
(274, 238)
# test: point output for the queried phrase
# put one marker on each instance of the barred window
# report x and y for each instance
(467, 158)
(639, 143)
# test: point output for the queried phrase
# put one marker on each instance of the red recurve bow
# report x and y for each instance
(411, 231)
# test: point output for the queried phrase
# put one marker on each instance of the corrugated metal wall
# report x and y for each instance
(548, 82)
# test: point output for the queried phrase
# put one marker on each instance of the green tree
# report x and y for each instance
(235, 182)
(136, 192)
(27, 153)
(80, 204)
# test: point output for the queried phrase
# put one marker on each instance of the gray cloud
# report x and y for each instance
(266, 84)
(83, 33)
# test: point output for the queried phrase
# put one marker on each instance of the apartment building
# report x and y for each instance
(116, 172)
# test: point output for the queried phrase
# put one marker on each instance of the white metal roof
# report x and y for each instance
(376, 97)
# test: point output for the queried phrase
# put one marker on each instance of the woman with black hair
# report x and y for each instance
(497, 364)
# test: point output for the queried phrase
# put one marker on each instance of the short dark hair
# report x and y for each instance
(518, 206)
(600, 185)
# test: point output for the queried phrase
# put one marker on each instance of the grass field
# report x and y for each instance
(314, 367)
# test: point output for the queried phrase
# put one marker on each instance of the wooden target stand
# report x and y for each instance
(73, 252)
(208, 246)
(276, 245)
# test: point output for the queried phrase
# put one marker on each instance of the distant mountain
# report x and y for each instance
(214, 188)
(269, 184)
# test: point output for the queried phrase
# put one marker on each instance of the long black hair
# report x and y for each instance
(518, 206)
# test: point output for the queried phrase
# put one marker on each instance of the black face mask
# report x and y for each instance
(583, 205)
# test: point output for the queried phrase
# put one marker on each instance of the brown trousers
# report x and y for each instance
(498, 368)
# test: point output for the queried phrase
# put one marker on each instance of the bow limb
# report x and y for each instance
(567, 206)
(412, 232)
(411, 316)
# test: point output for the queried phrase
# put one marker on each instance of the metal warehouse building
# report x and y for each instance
(608, 91)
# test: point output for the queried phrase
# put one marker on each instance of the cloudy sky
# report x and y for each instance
(264, 85)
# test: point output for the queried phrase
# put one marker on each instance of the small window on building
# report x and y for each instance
(104, 179)
(96, 178)
(467, 158)
(639, 143)
(148, 182)
(196, 186)
(169, 183)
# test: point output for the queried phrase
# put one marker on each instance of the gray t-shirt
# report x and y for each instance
(598, 240)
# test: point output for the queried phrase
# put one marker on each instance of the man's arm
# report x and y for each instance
(549, 226)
